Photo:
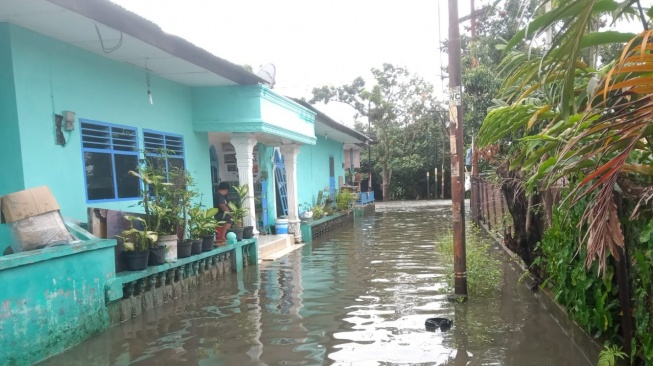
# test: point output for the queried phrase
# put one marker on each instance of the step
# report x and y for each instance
(270, 244)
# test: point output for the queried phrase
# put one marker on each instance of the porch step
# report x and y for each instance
(268, 245)
(278, 254)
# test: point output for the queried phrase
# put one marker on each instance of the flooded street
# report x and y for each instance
(357, 296)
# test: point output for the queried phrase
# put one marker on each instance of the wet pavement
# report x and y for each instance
(357, 296)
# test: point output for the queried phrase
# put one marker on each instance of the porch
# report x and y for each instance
(248, 127)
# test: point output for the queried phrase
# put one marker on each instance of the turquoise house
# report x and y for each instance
(85, 86)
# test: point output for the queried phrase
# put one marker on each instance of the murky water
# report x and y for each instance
(358, 296)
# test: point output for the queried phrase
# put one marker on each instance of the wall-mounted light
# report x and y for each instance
(69, 119)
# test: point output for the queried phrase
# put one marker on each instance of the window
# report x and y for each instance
(165, 151)
(109, 153)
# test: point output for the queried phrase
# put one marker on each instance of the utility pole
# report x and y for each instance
(457, 168)
(369, 149)
(473, 21)
(435, 176)
(428, 189)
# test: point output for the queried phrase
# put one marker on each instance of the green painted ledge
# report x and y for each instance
(39, 255)
(131, 276)
(113, 287)
(312, 222)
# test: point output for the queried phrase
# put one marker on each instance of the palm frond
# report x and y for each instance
(561, 61)
(620, 116)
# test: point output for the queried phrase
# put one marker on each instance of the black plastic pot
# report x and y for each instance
(207, 242)
(157, 256)
(184, 248)
(197, 247)
(248, 232)
(136, 261)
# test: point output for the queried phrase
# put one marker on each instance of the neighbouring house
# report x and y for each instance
(84, 86)
(338, 145)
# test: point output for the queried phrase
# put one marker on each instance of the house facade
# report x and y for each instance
(120, 86)
(87, 86)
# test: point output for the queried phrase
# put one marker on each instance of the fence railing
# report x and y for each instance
(364, 198)
(490, 206)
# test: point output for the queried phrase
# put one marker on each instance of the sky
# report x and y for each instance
(313, 43)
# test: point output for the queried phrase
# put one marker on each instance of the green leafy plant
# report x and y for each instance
(135, 239)
(590, 300)
(609, 356)
(238, 211)
(164, 195)
(328, 210)
(154, 180)
(176, 198)
(318, 212)
(202, 222)
(641, 283)
(344, 199)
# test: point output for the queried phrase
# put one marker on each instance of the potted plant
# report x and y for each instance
(138, 244)
(238, 212)
(305, 211)
(204, 225)
(166, 198)
(194, 233)
(186, 196)
(152, 193)
(318, 212)
(344, 199)
(174, 199)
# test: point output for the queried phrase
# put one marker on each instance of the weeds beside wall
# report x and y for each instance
(590, 299)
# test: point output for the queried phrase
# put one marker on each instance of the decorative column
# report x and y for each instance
(244, 145)
(290, 153)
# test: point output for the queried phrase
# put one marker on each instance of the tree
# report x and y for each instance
(562, 125)
(396, 101)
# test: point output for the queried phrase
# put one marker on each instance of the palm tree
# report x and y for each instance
(571, 119)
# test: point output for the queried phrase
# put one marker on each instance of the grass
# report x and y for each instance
(483, 269)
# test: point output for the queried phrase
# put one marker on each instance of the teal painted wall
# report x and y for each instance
(51, 76)
(313, 168)
(224, 105)
(52, 300)
(252, 108)
(10, 153)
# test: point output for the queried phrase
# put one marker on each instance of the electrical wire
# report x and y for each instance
(105, 49)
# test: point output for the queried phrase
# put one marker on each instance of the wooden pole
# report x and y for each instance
(457, 158)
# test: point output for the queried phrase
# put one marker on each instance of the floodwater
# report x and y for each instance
(357, 296)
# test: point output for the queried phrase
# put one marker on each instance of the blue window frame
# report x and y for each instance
(109, 152)
(164, 150)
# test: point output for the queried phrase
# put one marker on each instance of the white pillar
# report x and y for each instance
(244, 145)
(290, 153)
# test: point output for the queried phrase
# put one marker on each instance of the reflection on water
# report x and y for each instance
(359, 296)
